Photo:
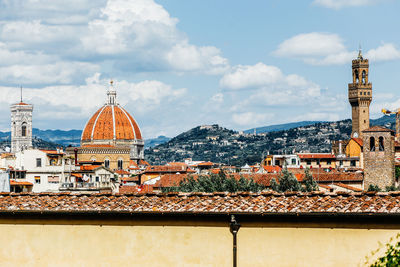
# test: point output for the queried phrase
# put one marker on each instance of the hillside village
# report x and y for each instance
(218, 144)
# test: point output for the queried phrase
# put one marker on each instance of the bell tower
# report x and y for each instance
(21, 126)
(360, 95)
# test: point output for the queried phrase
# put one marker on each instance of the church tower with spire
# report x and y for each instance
(21, 126)
(360, 95)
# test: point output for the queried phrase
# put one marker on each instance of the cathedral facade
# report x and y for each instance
(111, 136)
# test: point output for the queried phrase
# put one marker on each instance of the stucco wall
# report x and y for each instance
(127, 245)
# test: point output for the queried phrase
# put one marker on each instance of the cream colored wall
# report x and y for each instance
(88, 245)
(112, 157)
(113, 245)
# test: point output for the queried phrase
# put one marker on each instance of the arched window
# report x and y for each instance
(23, 129)
(371, 144)
(356, 75)
(120, 164)
(364, 77)
(107, 163)
(381, 145)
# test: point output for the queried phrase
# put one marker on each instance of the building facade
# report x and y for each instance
(111, 136)
(379, 157)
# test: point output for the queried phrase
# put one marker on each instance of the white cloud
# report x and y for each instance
(250, 118)
(144, 31)
(57, 73)
(337, 4)
(329, 49)
(269, 82)
(186, 57)
(81, 101)
(311, 44)
(248, 76)
(138, 35)
(217, 98)
(385, 52)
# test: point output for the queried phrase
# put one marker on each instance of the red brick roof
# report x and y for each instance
(352, 188)
(165, 169)
(206, 203)
(377, 129)
(316, 156)
(205, 164)
(22, 183)
(272, 169)
(143, 162)
(358, 141)
(111, 122)
(89, 167)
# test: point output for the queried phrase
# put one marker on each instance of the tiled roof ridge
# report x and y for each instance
(240, 193)
(268, 202)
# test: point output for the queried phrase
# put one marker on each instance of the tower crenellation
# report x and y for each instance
(360, 95)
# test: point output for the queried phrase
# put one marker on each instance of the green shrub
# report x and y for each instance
(374, 188)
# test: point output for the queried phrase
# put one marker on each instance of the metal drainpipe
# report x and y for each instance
(234, 228)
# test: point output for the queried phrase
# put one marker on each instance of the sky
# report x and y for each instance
(179, 64)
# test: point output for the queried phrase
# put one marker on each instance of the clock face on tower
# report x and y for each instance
(355, 134)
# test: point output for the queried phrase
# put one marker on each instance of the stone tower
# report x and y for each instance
(360, 95)
(378, 153)
(21, 126)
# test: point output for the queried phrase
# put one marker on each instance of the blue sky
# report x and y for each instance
(178, 64)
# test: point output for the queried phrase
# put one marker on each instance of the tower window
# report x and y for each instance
(107, 163)
(365, 121)
(120, 164)
(364, 77)
(371, 144)
(356, 75)
(23, 130)
(38, 162)
(381, 145)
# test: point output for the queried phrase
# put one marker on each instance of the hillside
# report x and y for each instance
(36, 142)
(218, 144)
(281, 127)
(71, 137)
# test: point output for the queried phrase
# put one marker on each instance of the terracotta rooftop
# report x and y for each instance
(358, 141)
(316, 156)
(111, 122)
(166, 169)
(378, 129)
(265, 203)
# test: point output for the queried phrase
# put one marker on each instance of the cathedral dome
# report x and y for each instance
(111, 125)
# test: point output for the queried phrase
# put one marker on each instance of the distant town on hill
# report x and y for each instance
(218, 144)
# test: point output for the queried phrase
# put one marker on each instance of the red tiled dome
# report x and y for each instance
(111, 123)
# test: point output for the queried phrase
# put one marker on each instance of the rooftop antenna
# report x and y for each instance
(21, 94)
